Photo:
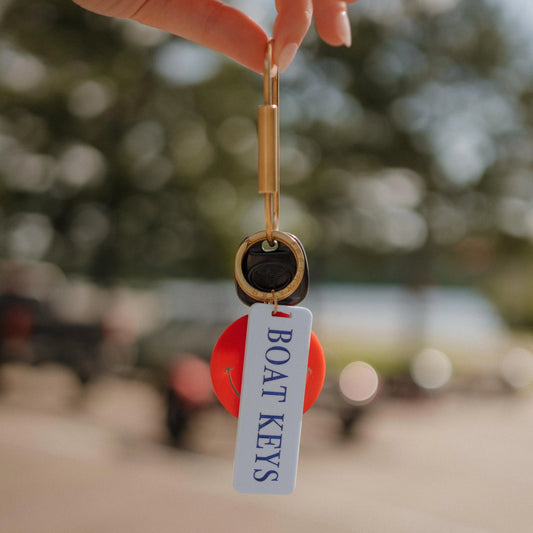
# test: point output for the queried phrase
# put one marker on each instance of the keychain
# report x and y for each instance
(268, 367)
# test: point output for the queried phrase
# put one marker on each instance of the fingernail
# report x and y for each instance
(287, 55)
(344, 30)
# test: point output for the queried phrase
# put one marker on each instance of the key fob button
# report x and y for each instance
(269, 270)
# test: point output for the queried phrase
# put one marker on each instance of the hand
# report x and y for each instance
(227, 30)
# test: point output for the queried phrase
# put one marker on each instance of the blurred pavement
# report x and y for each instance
(74, 462)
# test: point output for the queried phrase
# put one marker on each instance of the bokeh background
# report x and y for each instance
(128, 178)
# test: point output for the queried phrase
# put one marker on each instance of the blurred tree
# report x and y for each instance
(128, 153)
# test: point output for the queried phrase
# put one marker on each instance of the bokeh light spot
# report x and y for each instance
(359, 382)
(431, 369)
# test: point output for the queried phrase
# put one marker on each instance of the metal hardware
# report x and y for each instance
(252, 261)
(268, 143)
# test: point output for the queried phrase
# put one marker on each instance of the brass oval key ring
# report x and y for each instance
(272, 296)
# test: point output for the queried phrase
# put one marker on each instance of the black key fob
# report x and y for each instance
(275, 273)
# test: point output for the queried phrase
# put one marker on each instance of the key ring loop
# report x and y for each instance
(270, 77)
(272, 296)
(268, 141)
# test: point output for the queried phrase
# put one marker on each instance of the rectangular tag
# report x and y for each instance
(272, 397)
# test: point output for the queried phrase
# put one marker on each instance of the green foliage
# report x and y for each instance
(405, 158)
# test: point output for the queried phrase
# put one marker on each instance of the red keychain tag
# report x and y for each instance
(227, 362)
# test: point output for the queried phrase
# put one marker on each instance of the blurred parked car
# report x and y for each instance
(47, 318)
(30, 333)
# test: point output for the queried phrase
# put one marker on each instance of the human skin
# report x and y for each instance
(221, 27)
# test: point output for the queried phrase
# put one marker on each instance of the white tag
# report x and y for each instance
(272, 396)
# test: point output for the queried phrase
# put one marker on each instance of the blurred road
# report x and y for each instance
(74, 462)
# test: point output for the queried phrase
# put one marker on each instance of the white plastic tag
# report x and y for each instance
(272, 396)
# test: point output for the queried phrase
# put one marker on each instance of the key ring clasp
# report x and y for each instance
(270, 78)
(268, 143)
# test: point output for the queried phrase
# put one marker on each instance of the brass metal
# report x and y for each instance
(275, 301)
(270, 77)
(268, 141)
(273, 296)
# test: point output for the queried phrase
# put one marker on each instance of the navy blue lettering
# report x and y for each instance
(274, 374)
(276, 393)
(269, 459)
(270, 440)
(283, 336)
(265, 476)
(270, 419)
(282, 359)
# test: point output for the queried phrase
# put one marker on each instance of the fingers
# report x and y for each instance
(332, 22)
(293, 21)
(207, 22)
(222, 28)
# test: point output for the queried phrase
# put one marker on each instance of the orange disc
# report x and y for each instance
(227, 362)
